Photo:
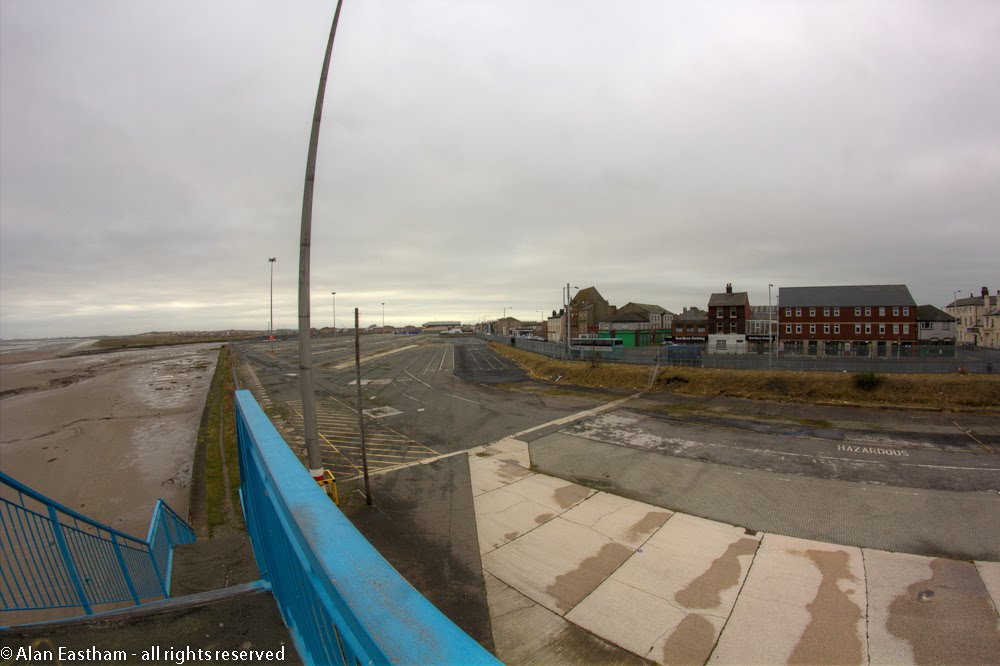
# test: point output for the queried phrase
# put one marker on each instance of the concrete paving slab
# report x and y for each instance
(558, 564)
(556, 494)
(618, 518)
(670, 600)
(508, 445)
(492, 473)
(990, 573)
(526, 633)
(926, 610)
(502, 516)
(807, 598)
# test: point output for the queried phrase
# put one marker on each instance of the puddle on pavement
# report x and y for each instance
(571, 588)
(691, 642)
(831, 637)
(705, 591)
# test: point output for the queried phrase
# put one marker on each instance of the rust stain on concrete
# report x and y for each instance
(648, 524)
(569, 495)
(691, 641)
(706, 590)
(954, 596)
(544, 518)
(831, 637)
(570, 588)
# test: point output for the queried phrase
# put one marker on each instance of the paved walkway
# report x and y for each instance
(667, 587)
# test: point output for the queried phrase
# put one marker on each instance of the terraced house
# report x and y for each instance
(862, 320)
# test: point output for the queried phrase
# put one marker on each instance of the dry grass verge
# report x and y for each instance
(947, 392)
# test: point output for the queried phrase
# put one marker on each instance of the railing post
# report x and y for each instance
(68, 560)
(124, 568)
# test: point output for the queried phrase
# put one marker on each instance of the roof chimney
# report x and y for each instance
(729, 287)
(986, 292)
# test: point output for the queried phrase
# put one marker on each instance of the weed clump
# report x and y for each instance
(867, 381)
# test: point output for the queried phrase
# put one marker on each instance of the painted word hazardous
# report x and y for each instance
(872, 449)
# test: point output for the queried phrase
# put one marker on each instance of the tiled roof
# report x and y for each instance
(726, 299)
(931, 313)
(846, 296)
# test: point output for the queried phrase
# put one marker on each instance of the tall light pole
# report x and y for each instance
(770, 328)
(383, 316)
(270, 322)
(334, 294)
(315, 462)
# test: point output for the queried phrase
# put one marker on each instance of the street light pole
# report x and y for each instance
(334, 294)
(383, 316)
(770, 328)
(315, 461)
(270, 323)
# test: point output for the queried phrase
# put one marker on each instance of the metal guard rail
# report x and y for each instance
(341, 600)
(54, 557)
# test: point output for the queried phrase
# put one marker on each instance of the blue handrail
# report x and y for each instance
(54, 557)
(342, 602)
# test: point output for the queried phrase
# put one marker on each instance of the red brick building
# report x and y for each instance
(728, 312)
(868, 320)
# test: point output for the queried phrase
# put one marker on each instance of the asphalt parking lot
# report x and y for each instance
(426, 395)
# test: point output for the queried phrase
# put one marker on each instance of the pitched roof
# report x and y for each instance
(652, 309)
(588, 295)
(726, 299)
(971, 300)
(692, 314)
(846, 296)
(622, 317)
(931, 313)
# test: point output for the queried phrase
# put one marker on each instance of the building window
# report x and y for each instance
(836, 329)
(798, 312)
(788, 312)
(947, 326)
(906, 312)
(857, 328)
(857, 312)
(732, 313)
(812, 312)
(732, 327)
(798, 328)
(868, 312)
(788, 328)
(836, 312)
(895, 312)
(868, 329)
(895, 329)
(826, 328)
(925, 325)
(812, 328)
(826, 312)
(906, 329)
(718, 327)
(881, 329)
(881, 312)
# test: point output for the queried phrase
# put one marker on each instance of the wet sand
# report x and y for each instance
(106, 434)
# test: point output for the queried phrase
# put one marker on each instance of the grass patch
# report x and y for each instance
(948, 392)
(220, 420)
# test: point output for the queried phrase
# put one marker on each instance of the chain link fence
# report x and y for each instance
(913, 360)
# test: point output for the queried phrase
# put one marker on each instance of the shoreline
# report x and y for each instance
(105, 435)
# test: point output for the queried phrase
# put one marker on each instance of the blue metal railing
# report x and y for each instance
(342, 602)
(54, 557)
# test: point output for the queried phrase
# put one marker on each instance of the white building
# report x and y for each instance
(935, 326)
(971, 315)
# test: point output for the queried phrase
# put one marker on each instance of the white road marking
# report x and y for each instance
(415, 377)
(364, 359)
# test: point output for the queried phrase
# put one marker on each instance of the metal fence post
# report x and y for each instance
(124, 568)
(68, 560)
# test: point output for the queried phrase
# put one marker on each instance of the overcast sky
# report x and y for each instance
(476, 156)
